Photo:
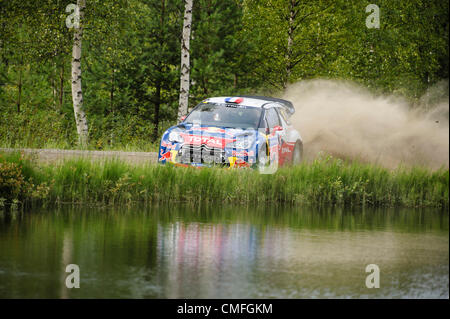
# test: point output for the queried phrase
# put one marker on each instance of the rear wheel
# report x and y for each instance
(297, 155)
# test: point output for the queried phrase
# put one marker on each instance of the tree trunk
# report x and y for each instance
(61, 87)
(19, 93)
(111, 93)
(77, 95)
(290, 43)
(54, 88)
(185, 62)
(157, 107)
(159, 81)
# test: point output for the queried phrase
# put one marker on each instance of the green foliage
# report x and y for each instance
(16, 181)
(405, 55)
(220, 53)
(131, 57)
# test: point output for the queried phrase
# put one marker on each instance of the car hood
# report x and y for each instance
(212, 136)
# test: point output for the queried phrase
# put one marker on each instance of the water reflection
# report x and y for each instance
(226, 252)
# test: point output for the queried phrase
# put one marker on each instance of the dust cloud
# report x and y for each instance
(347, 121)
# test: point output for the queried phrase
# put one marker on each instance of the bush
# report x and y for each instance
(17, 186)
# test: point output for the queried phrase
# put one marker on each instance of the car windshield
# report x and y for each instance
(225, 115)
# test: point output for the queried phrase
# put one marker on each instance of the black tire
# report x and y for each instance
(297, 155)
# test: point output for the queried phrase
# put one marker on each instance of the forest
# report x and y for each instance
(131, 53)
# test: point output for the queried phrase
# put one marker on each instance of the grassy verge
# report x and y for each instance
(324, 182)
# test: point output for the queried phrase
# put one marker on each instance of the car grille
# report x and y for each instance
(202, 154)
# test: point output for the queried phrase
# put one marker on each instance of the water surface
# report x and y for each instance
(224, 252)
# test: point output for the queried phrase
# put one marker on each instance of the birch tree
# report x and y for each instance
(293, 11)
(77, 94)
(185, 59)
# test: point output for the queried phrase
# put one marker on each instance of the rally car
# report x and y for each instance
(243, 131)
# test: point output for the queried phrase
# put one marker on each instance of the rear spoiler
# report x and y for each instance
(288, 106)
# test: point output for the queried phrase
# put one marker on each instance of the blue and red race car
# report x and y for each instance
(244, 131)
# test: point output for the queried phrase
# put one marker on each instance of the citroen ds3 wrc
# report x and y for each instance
(244, 131)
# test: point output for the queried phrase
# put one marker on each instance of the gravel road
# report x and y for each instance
(55, 155)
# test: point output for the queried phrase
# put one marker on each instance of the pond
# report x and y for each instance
(217, 251)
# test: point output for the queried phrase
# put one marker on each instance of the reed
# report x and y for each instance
(324, 182)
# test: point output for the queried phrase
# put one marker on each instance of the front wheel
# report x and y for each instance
(297, 155)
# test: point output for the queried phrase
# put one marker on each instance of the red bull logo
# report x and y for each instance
(165, 156)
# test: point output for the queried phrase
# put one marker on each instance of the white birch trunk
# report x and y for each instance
(290, 43)
(185, 60)
(77, 94)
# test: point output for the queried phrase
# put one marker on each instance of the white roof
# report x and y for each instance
(246, 101)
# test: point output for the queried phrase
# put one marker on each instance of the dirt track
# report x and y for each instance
(55, 155)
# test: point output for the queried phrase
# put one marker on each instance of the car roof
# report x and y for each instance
(254, 101)
(247, 101)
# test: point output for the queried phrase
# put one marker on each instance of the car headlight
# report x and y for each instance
(175, 137)
(244, 141)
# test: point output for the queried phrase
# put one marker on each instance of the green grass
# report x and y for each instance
(323, 182)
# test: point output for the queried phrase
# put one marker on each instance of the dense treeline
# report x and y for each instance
(131, 59)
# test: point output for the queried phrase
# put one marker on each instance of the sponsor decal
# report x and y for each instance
(242, 153)
(210, 129)
(234, 100)
(241, 163)
(169, 155)
(164, 156)
(207, 140)
(237, 162)
(168, 145)
(232, 160)
(173, 154)
(287, 147)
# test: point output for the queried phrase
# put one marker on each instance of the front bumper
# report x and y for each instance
(204, 156)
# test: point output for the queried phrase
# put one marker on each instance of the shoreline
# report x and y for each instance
(324, 182)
